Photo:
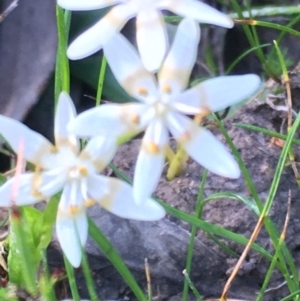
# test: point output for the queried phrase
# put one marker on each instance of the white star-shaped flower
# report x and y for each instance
(163, 107)
(151, 34)
(64, 167)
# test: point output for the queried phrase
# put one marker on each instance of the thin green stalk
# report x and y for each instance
(114, 257)
(63, 61)
(270, 271)
(192, 239)
(253, 41)
(271, 228)
(244, 54)
(265, 24)
(269, 11)
(64, 27)
(88, 277)
(101, 80)
(291, 296)
(222, 245)
(265, 132)
(192, 286)
(283, 33)
(71, 279)
(256, 12)
(67, 22)
(57, 80)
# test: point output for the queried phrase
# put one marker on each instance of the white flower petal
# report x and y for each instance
(151, 38)
(96, 37)
(128, 68)
(109, 120)
(177, 67)
(203, 147)
(86, 5)
(65, 113)
(150, 161)
(100, 151)
(72, 198)
(198, 11)
(218, 93)
(116, 197)
(68, 235)
(18, 191)
(34, 145)
(187, 106)
(49, 182)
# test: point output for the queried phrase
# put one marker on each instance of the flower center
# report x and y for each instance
(162, 105)
(77, 172)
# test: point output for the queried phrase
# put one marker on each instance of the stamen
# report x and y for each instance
(142, 91)
(166, 89)
(73, 209)
(89, 202)
(36, 193)
(38, 168)
(82, 170)
(53, 149)
(152, 147)
(135, 119)
(37, 182)
(184, 137)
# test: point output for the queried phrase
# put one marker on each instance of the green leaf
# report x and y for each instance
(23, 257)
(44, 225)
(6, 295)
(114, 257)
(2, 179)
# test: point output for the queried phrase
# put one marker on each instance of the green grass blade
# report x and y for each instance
(101, 80)
(71, 279)
(268, 11)
(192, 239)
(114, 257)
(192, 286)
(253, 41)
(88, 277)
(271, 228)
(62, 50)
(243, 55)
(265, 132)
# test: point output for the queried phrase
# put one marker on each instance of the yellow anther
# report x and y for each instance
(135, 119)
(142, 91)
(152, 147)
(38, 168)
(89, 202)
(83, 171)
(186, 136)
(73, 209)
(53, 149)
(36, 193)
(166, 89)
